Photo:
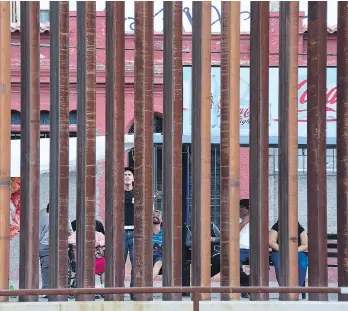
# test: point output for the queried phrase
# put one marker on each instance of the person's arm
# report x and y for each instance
(304, 242)
(70, 228)
(188, 241)
(273, 238)
(216, 238)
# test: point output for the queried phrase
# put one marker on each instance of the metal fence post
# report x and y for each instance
(59, 146)
(172, 146)
(316, 142)
(114, 153)
(143, 145)
(342, 147)
(229, 148)
(86, 144)
(201, 144)
(259, 67)
(288, 80)
(5, 143)
(30, 147)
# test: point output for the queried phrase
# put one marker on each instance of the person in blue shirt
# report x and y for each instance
(157, 242)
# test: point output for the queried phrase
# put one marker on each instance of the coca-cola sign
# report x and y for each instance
(244, 109)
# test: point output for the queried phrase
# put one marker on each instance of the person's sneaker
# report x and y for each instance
(44, 296)
(245, 295)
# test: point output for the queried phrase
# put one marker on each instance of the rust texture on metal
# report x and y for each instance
(59, 146)
(201, 145)
(86, 153)
(229, 149)
(172, 146)
(259, 66)
(342, 147)
(5, 143)
(288, 220)
(153, 290)
(143, 145)
(316, 144)
(30, 147)
(114, 153)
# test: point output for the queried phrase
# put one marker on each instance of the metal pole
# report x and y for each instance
(143, 145)
(259, 69)
(316, 155)
(5, 143)
(172, 147)
(59, 146)
(114, 174)
(288, 77)
(201, 144)
(30, 147)
(230, 150)
(342, 147)
(86, 153)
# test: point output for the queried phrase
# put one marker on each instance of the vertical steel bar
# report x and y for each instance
(114, 175)
(172, 150)
(259, 63)
(86, 153)
(143, 145)
(316, 159)
(59, 146)
(30, 147)
(342, 147)
(5, 143)
(229, 149)
(288, 220)
(201, 144)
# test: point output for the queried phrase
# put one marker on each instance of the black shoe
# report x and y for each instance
(245, 295)
(186, 294)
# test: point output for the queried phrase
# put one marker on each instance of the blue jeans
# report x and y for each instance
(244, 255)
(129, 248)
(302, 266)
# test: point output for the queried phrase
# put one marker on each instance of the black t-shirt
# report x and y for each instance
(300, 230)
(129, 208)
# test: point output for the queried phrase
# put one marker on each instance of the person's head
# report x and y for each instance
(244, 208)
(48, 208)
(128, 176)
(157, 217)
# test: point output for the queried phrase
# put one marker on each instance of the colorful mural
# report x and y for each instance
(15, 207)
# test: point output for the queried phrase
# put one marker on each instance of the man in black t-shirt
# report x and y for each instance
(129, 218)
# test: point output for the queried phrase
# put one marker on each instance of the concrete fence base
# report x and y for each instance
(175, 306)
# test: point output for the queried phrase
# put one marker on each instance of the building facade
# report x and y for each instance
(158, 109)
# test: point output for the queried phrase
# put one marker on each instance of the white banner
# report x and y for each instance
(215, 14)
(244, 112)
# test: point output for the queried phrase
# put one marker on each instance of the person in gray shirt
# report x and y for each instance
(44, 231)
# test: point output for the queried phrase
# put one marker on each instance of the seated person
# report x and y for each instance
(98, 226)
(99, 251)
(302, 247)
(215, 251)
(244, 236)
(157, 242)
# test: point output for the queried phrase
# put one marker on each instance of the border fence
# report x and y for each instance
(172, 153)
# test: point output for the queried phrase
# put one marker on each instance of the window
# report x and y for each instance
(157, 126)
(73, 117)
(331, 161)
(44, 16)
(15, 117)
(44, 117)
(44, 12)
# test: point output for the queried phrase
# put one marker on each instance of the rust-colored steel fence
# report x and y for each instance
(172, 151)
